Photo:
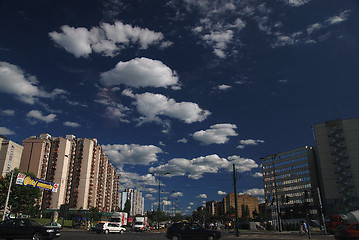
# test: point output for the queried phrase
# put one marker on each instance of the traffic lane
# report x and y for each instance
(75, 235)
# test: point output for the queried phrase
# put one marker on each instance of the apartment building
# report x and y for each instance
(242, 200)
(10, 155)
(84, 173)
(214, 207)
(337, 150)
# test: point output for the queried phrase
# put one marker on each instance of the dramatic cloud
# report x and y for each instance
(249, 142)
(14, 81)
(218, 134)
(132, 154)
(196, 167)
(141, 72)
(37, 115)
(221, 193)
(152, 106)
(107, 39)
(5, 131)
(72, 124)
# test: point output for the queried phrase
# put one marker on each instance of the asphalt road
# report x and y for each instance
(76, 235)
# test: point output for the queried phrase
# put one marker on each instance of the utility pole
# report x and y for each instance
(321, 210)
(235, 199)
(8, 195)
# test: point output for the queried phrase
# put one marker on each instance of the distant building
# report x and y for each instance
(214, 207)
(10, 155)
(337, 145)
(84, 173)
(288, 176)
(243, 201)
(136, 200)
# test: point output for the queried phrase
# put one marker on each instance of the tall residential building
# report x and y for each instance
(337, 145)
(242, 200)
(136, 200)
(10, 155)
(287, 177)
(214, 207)
(77, 165)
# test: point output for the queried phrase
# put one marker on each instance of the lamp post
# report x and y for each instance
(159, 191)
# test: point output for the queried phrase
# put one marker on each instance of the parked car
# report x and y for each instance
(53, 224)
(110, 227)
(191, 231)
(26, 228)
(347, 231)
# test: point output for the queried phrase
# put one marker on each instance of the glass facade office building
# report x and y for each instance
(287, 177)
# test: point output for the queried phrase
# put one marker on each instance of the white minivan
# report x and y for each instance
(110, 227)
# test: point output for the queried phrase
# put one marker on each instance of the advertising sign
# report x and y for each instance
(22, 179)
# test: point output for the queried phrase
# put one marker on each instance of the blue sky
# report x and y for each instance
(187, 87)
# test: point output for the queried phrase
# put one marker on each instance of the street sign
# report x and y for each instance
(25, 180)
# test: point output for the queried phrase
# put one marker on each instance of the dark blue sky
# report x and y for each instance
(187, 87)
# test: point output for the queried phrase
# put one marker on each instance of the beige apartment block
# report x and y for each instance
(10, 155)
(35, 156)
(84, 173)
(57, 172)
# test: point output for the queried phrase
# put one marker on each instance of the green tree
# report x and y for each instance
(177, 218)
(127, 207)
(23, 199)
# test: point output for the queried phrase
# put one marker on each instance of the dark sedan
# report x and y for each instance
(191, 231)
(26, 228)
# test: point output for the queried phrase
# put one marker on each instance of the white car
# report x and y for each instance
(110, 227)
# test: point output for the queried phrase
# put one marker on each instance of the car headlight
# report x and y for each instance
(50, 230)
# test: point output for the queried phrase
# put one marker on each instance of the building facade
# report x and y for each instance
(10, 155)
(244, 202)
(289, 178)
(337, 147)
(84, 173)
(136, 200)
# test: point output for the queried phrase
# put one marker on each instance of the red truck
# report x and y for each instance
(339, 219)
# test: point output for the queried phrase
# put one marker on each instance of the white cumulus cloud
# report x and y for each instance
(196, 167)
(254, 192)
(37, 115)
(141, 72)
(218, 134)
(132, 154)
(106, 39)
(152, 106)
(221, 193)
(71, 124)
(202, 195)
(249, 142)
(14, 81)
(5, 131)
